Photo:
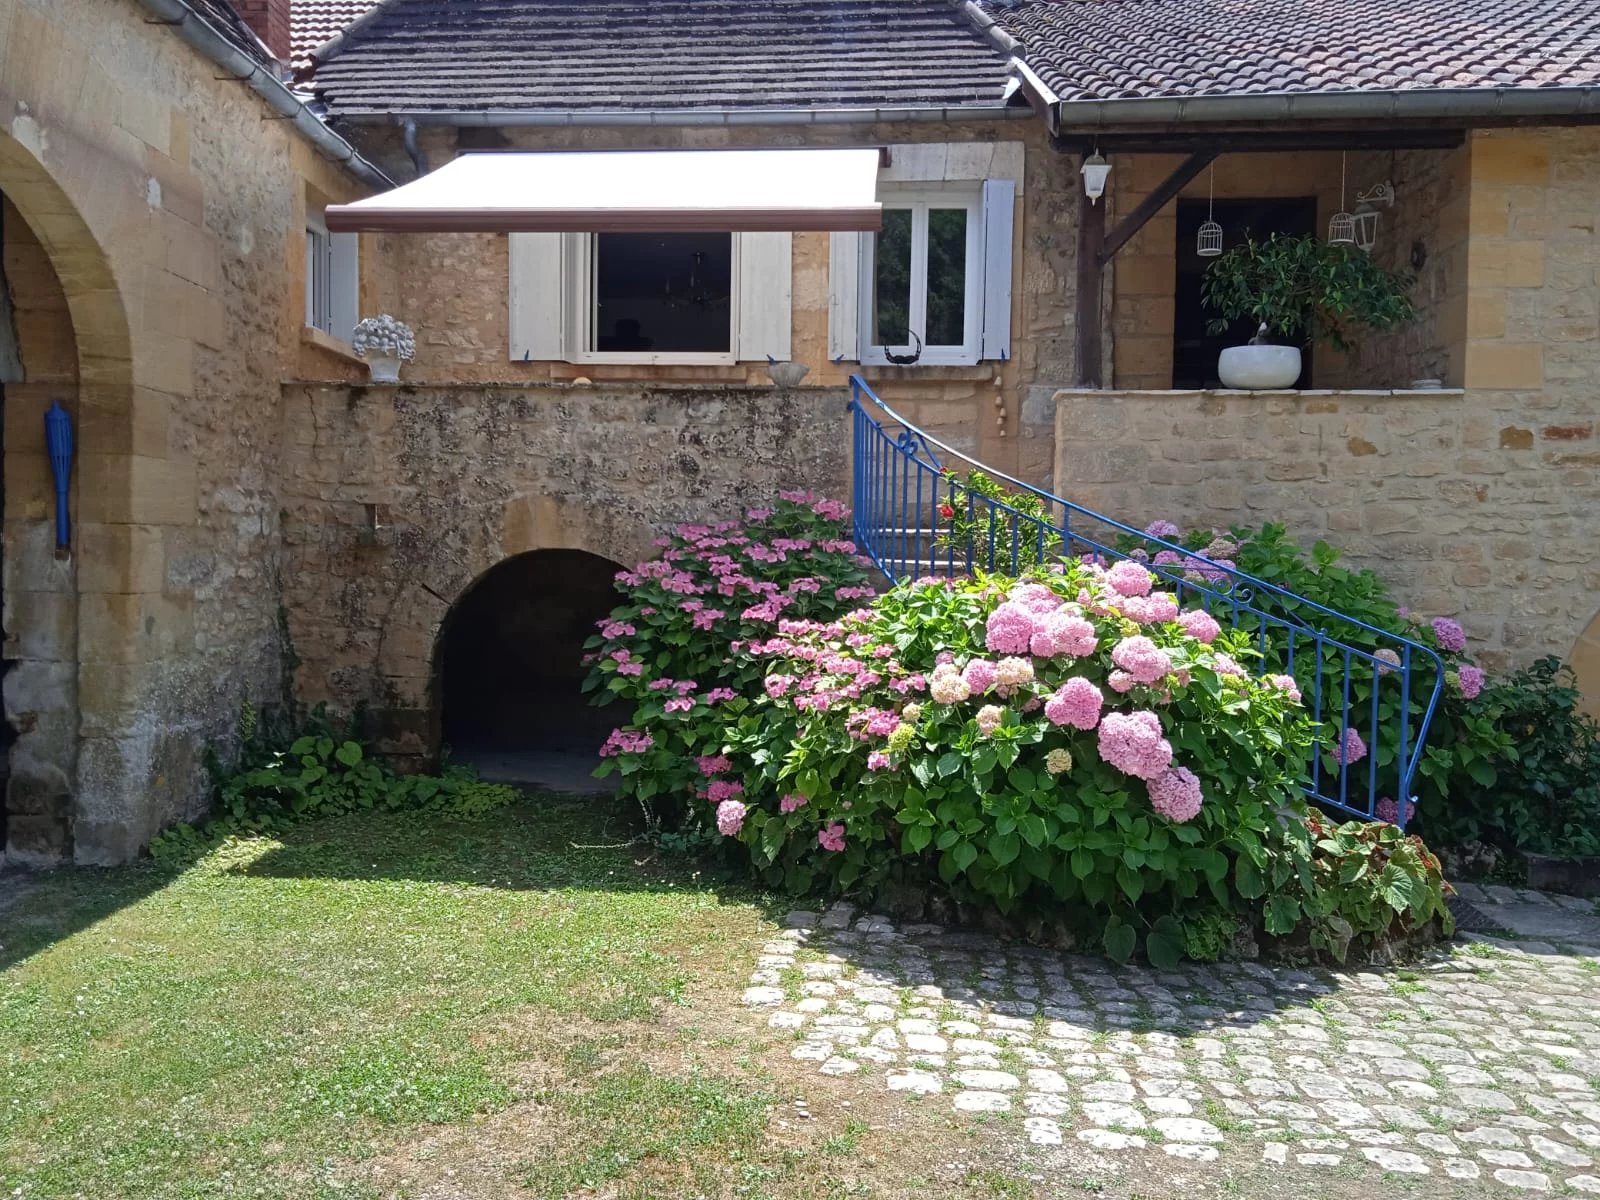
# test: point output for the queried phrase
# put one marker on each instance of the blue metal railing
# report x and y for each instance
(1352, 675)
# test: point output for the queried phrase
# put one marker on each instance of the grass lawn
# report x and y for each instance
(408, 1009)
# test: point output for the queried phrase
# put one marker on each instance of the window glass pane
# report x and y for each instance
(663, 293)
(891, 280)
(947, 276)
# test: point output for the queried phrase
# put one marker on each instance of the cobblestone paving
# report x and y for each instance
(1480, 1063)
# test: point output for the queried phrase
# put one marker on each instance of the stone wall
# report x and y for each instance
(453, 289)
(461, 478)
(1466, 507)
(169, 206)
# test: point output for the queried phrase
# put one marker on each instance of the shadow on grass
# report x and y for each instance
(40, 908)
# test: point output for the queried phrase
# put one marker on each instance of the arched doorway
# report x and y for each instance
(510, 669)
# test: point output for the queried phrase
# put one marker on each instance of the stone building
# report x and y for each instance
(252, 519)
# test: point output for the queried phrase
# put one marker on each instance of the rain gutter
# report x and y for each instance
(204, 37)
(694, 117)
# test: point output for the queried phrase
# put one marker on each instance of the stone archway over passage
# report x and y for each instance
(510, 669)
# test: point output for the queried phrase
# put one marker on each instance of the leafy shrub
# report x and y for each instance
(1354, 885)
(1541, 790)
(680, 646)
(292, 771)
(1303, 287)
(984, 524)
(1465, 738)
(1071, 741)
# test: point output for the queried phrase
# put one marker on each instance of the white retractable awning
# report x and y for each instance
(603, 191)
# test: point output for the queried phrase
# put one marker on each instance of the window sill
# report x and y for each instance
(310, 335)
(982, 370)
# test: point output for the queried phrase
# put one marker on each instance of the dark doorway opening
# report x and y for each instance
(1194, 349)
(511, 667)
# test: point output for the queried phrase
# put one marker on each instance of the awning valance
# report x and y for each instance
(604, 191)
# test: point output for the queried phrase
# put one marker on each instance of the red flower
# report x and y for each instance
(946, 511)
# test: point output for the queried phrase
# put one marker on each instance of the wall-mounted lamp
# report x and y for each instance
(1095, 172)
(1366, 215)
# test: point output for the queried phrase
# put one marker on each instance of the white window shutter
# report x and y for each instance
(536, 298)
(999, 201)
(344, 284)
(844, 297)
(766, 296)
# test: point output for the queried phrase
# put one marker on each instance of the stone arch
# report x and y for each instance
(437, 580)
(59, 799)
(1585, 661)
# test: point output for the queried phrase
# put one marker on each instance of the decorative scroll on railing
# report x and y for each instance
(1372, 693)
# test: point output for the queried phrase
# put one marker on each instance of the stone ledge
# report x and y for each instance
(310, 335)
(1276, 394)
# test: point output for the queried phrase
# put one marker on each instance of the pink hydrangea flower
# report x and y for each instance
(730, 817)
(947, 686)
(1200, 625)
(832, 837)
(1351, 749)
(989, 718)
(1389, 660)
(1450, 634)
(679, 704)
(1077, 703)
(1121, 682)
(1132, 743)
(1165, 530)
(1142, 659)
(1176, 794)
(1155, 609)
(1012, 672)
(1063, 632)
(1035, 597)
(980, 675)
(1129, 579)
(791, 802)
(1287, 685)
(1009, 629)
(713, 764)
(723, 789)
(878, 761)
(1389, 811)
(1471, 682)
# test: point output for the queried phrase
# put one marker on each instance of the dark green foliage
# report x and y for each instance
(984, 523)
(1304, 288)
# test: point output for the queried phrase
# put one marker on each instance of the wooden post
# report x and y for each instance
(1091, 275)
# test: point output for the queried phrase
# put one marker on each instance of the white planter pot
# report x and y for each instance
(385, 368)
(1259, 368)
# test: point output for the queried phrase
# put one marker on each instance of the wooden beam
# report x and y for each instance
(1153, 203)
(1091, 275)
(1259, 141)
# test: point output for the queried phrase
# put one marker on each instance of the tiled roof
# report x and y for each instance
(314, 22)
(1149, 49)
(661, 54)
(222, 17)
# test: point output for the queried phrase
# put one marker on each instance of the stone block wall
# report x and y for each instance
(458, 479)
(1461, 505)
(453, 289)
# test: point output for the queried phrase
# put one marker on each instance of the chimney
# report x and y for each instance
(270, 20)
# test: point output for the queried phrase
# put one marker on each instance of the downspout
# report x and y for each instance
(408, 130)
(200, 34)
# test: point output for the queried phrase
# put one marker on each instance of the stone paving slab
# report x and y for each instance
(1481, 1062)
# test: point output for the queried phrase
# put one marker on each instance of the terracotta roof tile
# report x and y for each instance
(312, 23)
(558, 55)
(1152, 49)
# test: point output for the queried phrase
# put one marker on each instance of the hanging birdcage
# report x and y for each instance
(1342, 228)
(1208, 243)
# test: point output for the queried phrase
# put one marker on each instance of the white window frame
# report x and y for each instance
(319, 275)
(920, 199)
(580, 252)
(333, 279)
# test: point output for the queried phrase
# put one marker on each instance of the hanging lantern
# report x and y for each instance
(1342, 228)
(1095, 170)
(1208, 243)
(1366, 219)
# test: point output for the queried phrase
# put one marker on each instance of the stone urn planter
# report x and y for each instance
(1259, 368)
(786, 374)
(385, 343)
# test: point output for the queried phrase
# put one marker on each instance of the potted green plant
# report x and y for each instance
(1297, 289)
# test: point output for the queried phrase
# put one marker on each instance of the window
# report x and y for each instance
(922, 278)
(659, 295)
(651, 298)
(333, 275)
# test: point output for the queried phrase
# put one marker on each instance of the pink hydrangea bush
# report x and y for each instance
(968, 735)
(681, 647)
